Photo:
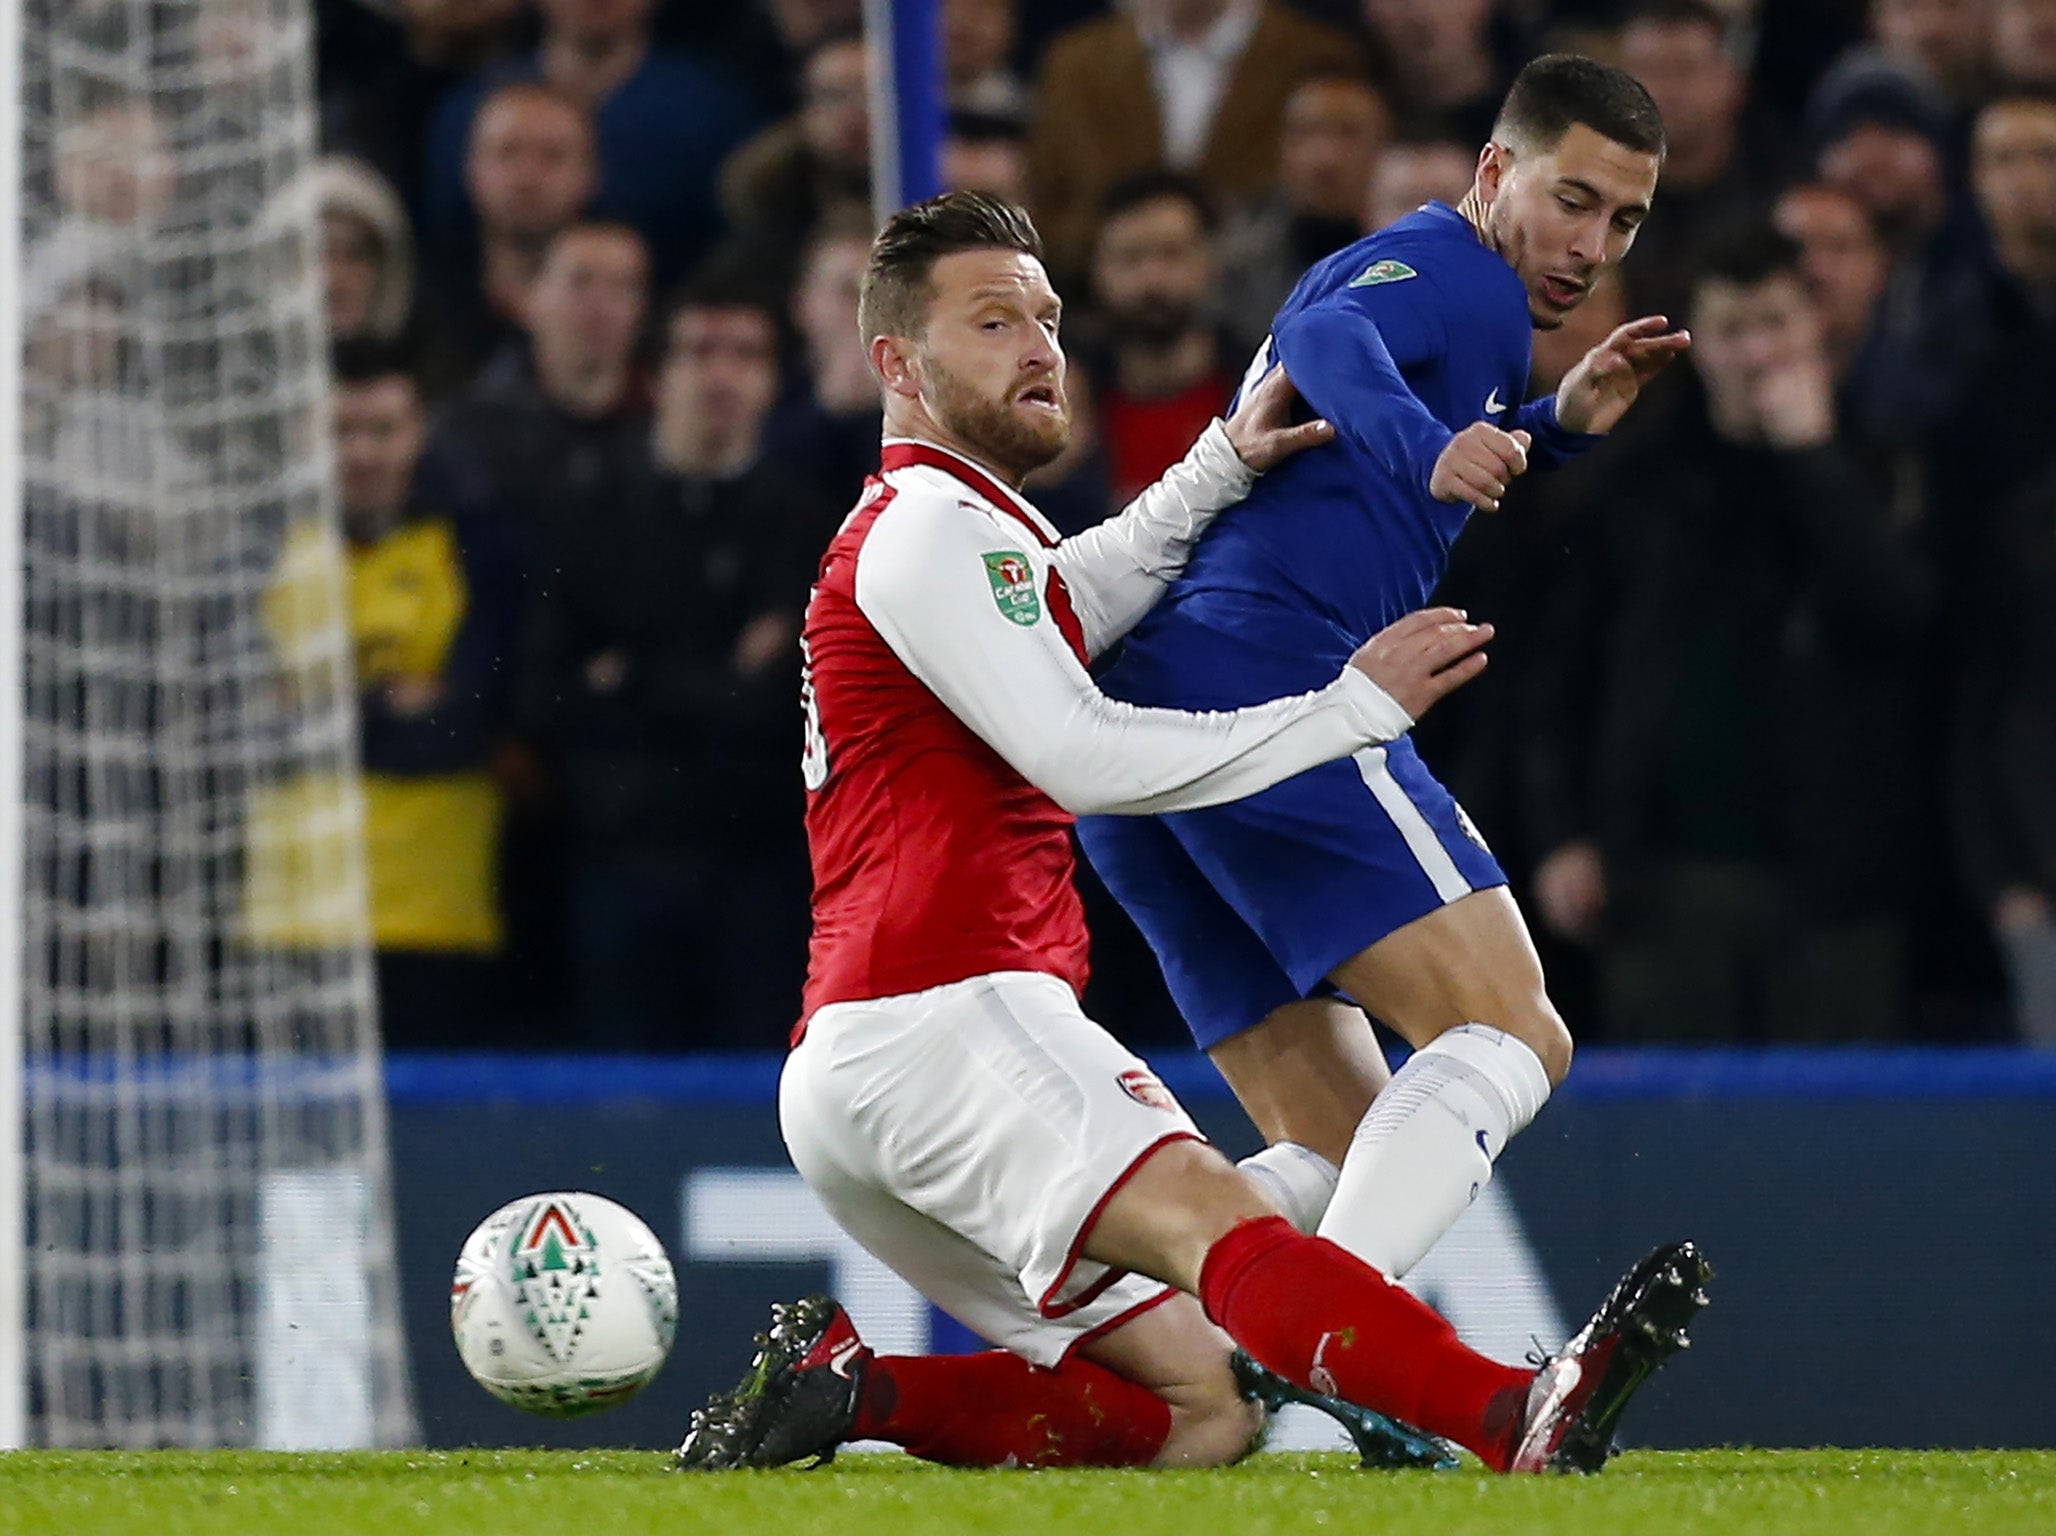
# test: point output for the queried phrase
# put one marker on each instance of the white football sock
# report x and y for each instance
(1298, 1179)
(1428, 1143)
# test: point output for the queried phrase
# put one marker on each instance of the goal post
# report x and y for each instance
(13, 1226)
(905, 38)
(197, 1144)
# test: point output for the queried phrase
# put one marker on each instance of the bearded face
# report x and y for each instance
(1017, 427)
(984, 371)
(1153, 269)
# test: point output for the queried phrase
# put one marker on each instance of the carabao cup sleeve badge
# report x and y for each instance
(1013, 585)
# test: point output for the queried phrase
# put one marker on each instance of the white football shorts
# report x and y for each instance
(968, 1136)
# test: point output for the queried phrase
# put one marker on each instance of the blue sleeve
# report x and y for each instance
(1554, 443)
(1348, 363)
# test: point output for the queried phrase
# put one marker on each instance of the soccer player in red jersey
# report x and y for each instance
(946, 1097)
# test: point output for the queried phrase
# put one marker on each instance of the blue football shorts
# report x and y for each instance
(1250, 905)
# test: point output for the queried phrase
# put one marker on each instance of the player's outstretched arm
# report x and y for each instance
(925, 582)
(1118, 570)
(1597, 392)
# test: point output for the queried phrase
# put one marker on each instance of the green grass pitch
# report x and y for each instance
(618, 1493)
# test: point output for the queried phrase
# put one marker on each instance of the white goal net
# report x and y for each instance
(209, 1231)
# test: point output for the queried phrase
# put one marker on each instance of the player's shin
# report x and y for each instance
(995, 1410)
(1321, 1319)
(1428, 1143)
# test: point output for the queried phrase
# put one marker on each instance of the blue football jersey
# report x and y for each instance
(1400, 340)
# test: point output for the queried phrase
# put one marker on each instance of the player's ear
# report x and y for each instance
(1494, 161)
(896, 362)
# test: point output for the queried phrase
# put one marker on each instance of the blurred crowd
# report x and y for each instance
(1770, 737)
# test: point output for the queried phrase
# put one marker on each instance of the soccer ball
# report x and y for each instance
(563, 1304)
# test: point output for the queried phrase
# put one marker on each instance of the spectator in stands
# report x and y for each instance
(2024, 42)
(1844, 265)
(384, 69)
(1716, 166)
(367, 252)
(1410, 173)
(84, 290)
(1335, 125)
(1784, 46)
(432, 602)
(2011, 322)
(664, 665)
(115, 166)
(984, 152)
(978, 58)
(1743, 637)
(762, 43)
(826, 427)
(87, 401)
(2004, 764)
(782, 183)
(1439, 66)
(554, 413)
(1949, 41)
(1161, 370)
(552, 416)
(2013, 175)
(1993, 532)
(1192, 85)
(665, 121)
(1882, 136)
(529, 171)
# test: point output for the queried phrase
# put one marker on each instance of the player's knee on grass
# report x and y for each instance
(1172, 1351)
(1213, 1427)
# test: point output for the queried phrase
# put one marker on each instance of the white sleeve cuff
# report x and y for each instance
(1374, 710)
(1216, 459)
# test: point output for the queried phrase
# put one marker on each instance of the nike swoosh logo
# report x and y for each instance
(839, 1360)
(1482, 1147)
(1492, 405)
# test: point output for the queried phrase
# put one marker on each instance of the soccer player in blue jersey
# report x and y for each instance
(1364, 877)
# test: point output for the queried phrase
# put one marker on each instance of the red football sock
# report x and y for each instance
(996, 1409)
(1322, 1319)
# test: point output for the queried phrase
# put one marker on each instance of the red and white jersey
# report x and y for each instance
(953, 730)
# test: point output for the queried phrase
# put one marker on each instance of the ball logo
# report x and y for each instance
(1144, 1087)
(556, 1268)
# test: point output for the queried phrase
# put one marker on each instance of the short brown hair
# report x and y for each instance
(1554, 93)
(894, 298)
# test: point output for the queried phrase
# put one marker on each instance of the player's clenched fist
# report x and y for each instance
(1478, 465)
(1424, 657)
